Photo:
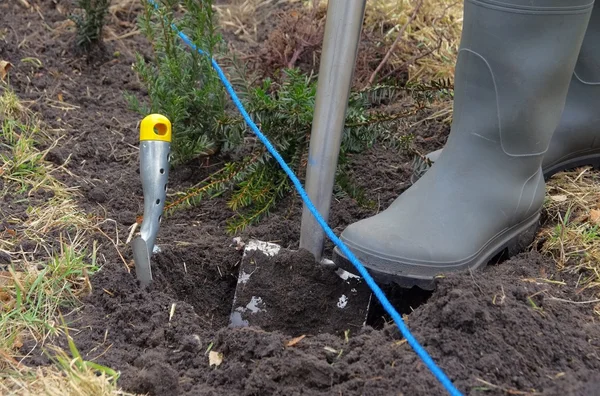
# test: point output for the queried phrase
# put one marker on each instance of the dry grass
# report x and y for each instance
(23, 161)
(24, 173)
(430, 42)
(413, 39)
(571, 234)
(123, 6)
(52, 382)
(69, 376)
(427, 49)
(243, 17)
(51, 261)
(57, 213)
(32, 293)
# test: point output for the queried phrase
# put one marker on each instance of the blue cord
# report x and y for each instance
(419, 350)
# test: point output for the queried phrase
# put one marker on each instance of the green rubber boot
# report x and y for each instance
(576, 141)
(486, 189)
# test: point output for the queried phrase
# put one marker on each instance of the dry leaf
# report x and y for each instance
(294, 341)
(595, 216)
(18, 343)
(558, 198)
(4, 68)
(215, 358)
(60, 97)
(25, 3)
(172, 311)
(7, 279)
(4, 296)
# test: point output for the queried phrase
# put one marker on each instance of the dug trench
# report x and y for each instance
(503, 330)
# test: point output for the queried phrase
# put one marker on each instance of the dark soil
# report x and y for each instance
(501, 331)
(312, 299)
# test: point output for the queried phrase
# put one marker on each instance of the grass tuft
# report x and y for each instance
(50, 262)
(70, 376)
(10, 106)
(33, 293)
(22, 159)
(571, 234)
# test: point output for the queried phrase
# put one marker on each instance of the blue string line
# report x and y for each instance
(419, 350)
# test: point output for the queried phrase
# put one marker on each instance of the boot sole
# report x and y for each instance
(514, 240)
(585, 160)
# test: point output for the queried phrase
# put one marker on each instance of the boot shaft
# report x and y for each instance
(515, 61)
(577, 135)
(587, 69)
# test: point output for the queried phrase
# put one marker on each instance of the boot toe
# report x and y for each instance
(393, 251)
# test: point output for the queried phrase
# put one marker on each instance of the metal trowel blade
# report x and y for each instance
(141, 257)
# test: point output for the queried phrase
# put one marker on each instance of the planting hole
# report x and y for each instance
(158, 201)
(162, 171)
(404, 300)
(160, 129)
(165, 187)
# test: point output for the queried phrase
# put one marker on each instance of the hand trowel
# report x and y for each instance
(155, 146)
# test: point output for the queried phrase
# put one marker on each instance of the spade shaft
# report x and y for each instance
(340, 46)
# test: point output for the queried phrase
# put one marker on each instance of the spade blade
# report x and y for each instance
(141, 257)
(279, 289)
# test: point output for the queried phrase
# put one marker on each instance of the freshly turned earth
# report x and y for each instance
(500, 331)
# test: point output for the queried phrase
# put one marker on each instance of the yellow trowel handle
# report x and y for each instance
(155, 127)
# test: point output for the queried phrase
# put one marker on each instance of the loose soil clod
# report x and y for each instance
(504, 326)
(287, 291)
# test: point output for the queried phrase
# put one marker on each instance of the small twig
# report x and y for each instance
(315, 7)
(507, 390)
(295, 56)
(131, 232)
(502, 298)
(115, 245)
(172, 311)
(395, 43)
(102, 354)
(123, 36)
(25, 4)
(597, 300)
(563, 256)
(475, 282)
(414, 59)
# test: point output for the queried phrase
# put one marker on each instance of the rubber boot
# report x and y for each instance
(485, 191)
(576, 141)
